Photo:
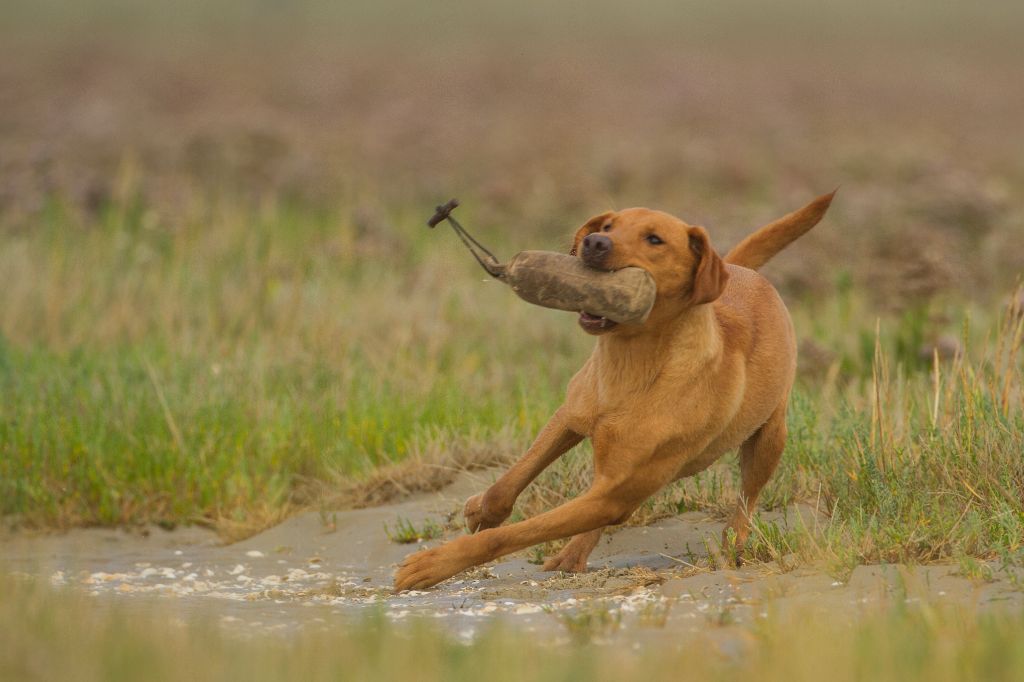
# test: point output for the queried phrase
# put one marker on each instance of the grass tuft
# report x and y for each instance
(406, 532)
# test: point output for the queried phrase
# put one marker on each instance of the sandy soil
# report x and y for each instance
(317, 570)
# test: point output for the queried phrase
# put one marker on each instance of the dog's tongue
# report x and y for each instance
(595, 321)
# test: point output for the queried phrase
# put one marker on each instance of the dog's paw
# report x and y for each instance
(568, 560)
(481, 516)
(427, 568)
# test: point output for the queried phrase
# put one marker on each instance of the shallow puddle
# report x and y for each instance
(312, 572)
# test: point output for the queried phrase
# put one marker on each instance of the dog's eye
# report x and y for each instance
(654, 239)
(607, 228)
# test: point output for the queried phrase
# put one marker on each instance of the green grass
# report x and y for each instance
(228, 373)
(406, 532)
(67, 635)
(221, 305)
(176, 377)
(590, 622)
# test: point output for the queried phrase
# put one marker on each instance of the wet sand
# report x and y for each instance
(322, 570)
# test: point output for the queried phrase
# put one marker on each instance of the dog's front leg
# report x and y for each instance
(490, 509)
(595, 508)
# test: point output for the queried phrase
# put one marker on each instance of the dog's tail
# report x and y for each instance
(760, 247)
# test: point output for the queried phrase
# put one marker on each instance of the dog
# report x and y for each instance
(708, 372)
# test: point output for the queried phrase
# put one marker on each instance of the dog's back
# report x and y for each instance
(759, 324)
(760, 247)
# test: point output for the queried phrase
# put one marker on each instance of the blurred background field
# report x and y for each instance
(220, 303)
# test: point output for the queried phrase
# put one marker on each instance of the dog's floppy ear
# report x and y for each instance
(589, 227)
(710, 275)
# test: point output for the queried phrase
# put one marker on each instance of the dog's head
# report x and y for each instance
(686, 268)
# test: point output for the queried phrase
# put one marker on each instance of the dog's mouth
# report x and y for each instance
(595, 324)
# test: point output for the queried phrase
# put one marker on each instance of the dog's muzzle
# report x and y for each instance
(596, 249)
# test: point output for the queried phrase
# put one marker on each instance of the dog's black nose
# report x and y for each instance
(596, 248)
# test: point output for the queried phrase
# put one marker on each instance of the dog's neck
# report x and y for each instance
(633, 362)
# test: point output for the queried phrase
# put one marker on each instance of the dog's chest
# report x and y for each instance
(618, 403)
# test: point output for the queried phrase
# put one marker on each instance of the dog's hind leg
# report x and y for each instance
(490, 509)
(573, 557)
(759, 456)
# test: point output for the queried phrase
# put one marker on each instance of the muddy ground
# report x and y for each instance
(324, 569)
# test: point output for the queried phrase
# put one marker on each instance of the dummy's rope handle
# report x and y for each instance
(488, 261)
